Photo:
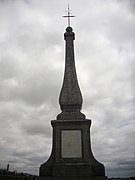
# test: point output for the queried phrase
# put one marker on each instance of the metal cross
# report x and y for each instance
(68, 15)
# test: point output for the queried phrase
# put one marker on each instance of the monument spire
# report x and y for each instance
(71, 157)
(70, 99)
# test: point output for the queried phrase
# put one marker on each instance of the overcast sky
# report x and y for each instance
(31, 74)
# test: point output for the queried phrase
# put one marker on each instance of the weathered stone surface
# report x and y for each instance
(72, 178)
(70, 96)
(59, 166)
(72, 139)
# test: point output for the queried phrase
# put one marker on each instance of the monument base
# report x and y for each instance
(73, 170)
(71, 155)
(74, 178)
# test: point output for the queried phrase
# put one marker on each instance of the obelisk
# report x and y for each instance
(71, 156)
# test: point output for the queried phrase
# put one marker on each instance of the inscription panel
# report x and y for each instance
(71, 144)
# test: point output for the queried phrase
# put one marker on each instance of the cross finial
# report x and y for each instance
(68, 15)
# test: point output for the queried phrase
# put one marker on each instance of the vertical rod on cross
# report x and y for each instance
(68, 15)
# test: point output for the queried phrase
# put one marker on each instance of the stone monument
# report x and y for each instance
(71, 156)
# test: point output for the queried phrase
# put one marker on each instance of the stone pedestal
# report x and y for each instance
(72, 178)
(71, 153)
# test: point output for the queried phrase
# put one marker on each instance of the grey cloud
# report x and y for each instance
(118, 168)
(38, 129)
(31, 70)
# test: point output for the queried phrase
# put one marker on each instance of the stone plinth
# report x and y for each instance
(72, 178)
(70, 158)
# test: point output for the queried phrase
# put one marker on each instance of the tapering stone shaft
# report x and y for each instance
(70, 97)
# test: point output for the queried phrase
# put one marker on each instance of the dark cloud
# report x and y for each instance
(126, 166)
(37, 129)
